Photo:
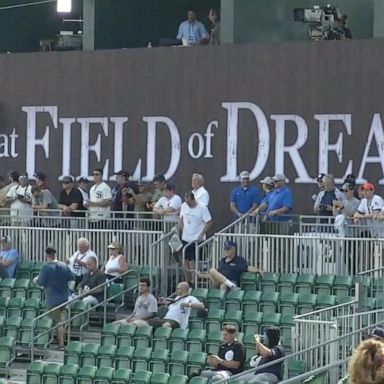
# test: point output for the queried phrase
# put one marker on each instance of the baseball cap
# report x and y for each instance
(115, 245)
(368, 187)
(122, 173)
(23, 175)
(377, 333)
(67, 179)
(50, 251)
(279, 177)
(347, 187)
(267, 180)
(244, 175)
(83, 180)
(6, 239)
(229, 244)
(319, 177)
(170, 187)
(40, 175)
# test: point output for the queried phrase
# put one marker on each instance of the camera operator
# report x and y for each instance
(342, 27)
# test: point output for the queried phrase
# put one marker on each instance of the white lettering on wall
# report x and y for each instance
(67, 125)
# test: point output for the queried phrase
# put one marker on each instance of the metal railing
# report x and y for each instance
(67, 306)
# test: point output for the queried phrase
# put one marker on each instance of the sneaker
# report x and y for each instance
(235, 288)
(60, 348)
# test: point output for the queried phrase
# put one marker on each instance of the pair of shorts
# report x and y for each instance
(157, 323)
(190, 251)
(57, 315)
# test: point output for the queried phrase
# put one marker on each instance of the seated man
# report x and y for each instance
(145, 305)
(179, 309)
(9, 257)
(230, 358)
(92, 279)
(230, 268)
(268, 349)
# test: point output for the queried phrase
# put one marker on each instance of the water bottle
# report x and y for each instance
(149, 45)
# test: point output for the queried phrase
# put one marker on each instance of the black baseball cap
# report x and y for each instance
(41, 176)
(122, 173)
(377, 333)
(67, 179)
(83, 180)
(320, 176)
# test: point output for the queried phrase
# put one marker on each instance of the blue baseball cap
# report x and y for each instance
(229, 244)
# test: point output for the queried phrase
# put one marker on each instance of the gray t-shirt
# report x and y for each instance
(350, 207)
(145, 305)
(47, 199)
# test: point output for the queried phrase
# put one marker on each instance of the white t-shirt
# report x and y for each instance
(19, 208)
(179, 314)
(98, 193)
(367, 207)
(201, 196)
(194, 220)
(77, 269)
(174, 202)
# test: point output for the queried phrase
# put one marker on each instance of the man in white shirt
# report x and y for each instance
(100, 201)
(179, 309)
(168, 207)
(201, 194)
(195, 220)
(78, 261)
(20, 197)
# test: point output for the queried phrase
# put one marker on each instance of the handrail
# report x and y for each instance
(370, 270)
(78, 298)
(294, 354)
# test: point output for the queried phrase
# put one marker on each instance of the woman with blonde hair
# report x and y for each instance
(117, 263)
(367, 363)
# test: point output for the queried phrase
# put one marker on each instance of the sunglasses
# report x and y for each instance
(96, 174)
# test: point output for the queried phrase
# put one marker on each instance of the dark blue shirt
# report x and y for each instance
(233, 269)
(279, 198)
(244, 198)
(277, 353)
(54, 277)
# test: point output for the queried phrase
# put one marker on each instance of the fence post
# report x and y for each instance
(334, 352)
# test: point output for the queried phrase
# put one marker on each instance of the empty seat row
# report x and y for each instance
(24, 288)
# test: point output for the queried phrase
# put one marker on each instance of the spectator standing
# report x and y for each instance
(195, 221)
(92, 279)
(143, 198)
(117, 263)
(71, 201)
(9, 257)
(44, 205)
(159, 183)
(229, 359)
(192, 31)
(78, 261)
(214, 18)
(198, 189)
(13, 178)
(179, 309)
(41, 180)
(100, 201)
(244, 198)
(168, 207)
(82, 186)
(145, 305)
(342, 26)
(54, 277)
(326, 198)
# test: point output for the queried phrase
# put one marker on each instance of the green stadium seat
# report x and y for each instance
(159, 378)
(342, 286)
(251, 322)
(109, 334)
(286, 324)
(234, 299)
(20, 288)
(4, 305)
(215, 299)
(344, 299)
(196, 340)
(198, 380)
(295, 368)
(178, 338)
(366, 281)
(31, 308)
(89, 354)
(269, 301)
(51, 373)
(214, 320)
(305, 283)
(37, 268)
(43, 332)
(214, 339)
(159, 360)
(122, 376)
(35, 372)
(142, 377)
(11, 326)
(2, 322)
(288, 303)
(68, 374)
(250, 281)
(141, 358)
(24, 270)
(7, 351)
(196, 361)
(130, 281)
(196, 321)
(178, 362)
(249, 344)
(270, 319)
(269, 281)
(35, 291)
(25, 333)
(178, 379)
(233, 317)
(106, 355)
(6, 287)
(307, 303)
(104, 375)
(86, 374)
(200, 293)
(124, 357)
(325, 301)
(251, 301)
(72, 352)
(15, 307)
(125, 335)
(143, 337)
(116, 296)
(324, 284)
(81, 321)
(287, 282)
(161, 338)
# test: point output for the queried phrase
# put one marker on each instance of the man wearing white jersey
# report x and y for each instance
(195, 220)
(201, 194)
(100, 201)
(169, 205)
